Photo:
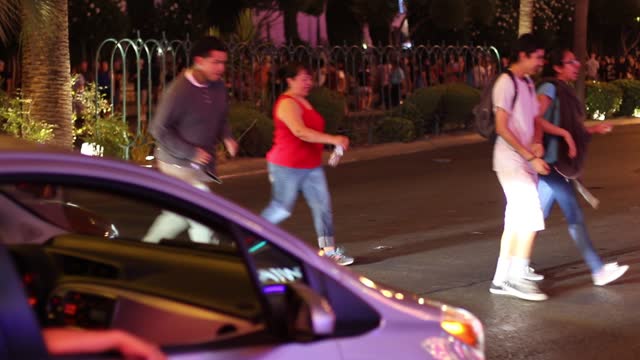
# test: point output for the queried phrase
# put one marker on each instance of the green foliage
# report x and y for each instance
(392, 129)
(16, 120)
(422, 107)
(457, 106)
(630, 96)
(447, 106)
(331, 105)
(245, 31)
(100, 125)
(602, 99)
(256, 127)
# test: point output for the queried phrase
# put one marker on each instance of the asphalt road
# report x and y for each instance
(430, 223)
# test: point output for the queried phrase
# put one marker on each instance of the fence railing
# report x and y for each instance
(368, 77)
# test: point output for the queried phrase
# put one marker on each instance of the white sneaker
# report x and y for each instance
(523, 289)
(339, 257)
(609, 272)
(531, 274)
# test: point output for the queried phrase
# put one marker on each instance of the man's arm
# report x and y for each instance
(66, 341)
(502, 129)
(163, 128)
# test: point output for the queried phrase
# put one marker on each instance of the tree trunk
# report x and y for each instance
(525, 18)
(580, 42)
(46, 72)
(290, 14)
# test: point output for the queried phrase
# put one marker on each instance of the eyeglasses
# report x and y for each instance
(571, 62)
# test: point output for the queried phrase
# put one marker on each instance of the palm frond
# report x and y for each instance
(37, 15)
(9, 15)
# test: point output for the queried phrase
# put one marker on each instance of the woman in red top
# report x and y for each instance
(295, 160)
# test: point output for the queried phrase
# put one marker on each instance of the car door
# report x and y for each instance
(199, 296)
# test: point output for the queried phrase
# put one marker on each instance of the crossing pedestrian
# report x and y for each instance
(560, 105)
(295, 160)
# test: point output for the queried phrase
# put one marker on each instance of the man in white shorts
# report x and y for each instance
(517, 167)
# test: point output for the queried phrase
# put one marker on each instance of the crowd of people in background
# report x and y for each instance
(368, 82)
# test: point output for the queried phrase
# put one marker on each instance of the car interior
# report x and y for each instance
(76, 245)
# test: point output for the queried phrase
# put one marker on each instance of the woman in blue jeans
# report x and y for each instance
(295, 160)
(560, 105)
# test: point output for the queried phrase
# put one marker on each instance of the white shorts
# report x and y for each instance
(523, 212)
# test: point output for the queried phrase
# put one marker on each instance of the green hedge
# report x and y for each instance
(630, 96)
(440, 107)
(421, 107)
(392, 129)
(257, 140)
(602, 99)
(331, 105)
(457, 106)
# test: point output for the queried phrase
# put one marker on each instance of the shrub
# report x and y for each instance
(16, 120)
(457, 105)
(447, 106)
(393, 129)
(421, 108)
(256, 126)
(100, 125)
(331, 105)
(602, 99)
(630, 96)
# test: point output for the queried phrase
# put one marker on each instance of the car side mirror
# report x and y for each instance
(309, 314)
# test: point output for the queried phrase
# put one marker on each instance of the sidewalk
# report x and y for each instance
(251, 166)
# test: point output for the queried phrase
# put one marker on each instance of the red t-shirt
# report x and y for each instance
(290, 151)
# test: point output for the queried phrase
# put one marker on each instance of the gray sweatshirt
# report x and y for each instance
(190, 117)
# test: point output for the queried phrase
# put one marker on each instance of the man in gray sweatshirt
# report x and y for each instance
(190, 121)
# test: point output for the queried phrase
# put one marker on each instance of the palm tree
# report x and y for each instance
(580, 41)
(525, 18)
(45, 59)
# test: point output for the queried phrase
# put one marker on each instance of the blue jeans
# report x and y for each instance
(555, 188)
(286, 183)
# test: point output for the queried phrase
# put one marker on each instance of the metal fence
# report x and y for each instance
(368, 77)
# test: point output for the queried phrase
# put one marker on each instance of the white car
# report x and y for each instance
(73, 226)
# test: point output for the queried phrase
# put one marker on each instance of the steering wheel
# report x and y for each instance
(20, 335)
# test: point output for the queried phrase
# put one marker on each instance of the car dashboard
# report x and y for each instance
(176, 297)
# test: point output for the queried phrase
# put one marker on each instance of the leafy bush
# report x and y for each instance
(448, 106)
(100, 125)
(630, 96)
(457, 105)
(256, 126)
(331, 105)
(602, 99)
(16, 120)
(393, 129)
(422, 107)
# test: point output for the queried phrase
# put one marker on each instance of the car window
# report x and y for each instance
(85, 211)
(139, 256)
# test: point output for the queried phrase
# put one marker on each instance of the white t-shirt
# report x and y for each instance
(521, 121)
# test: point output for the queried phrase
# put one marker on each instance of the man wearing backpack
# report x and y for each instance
(517, 166)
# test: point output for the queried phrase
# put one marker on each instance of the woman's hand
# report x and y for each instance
(540, 166)
(537, 149)
(600, 129)
(573, 151)
(340, 140)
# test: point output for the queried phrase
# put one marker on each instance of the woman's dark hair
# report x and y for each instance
(207, 44)
(554, 58)
(292, 69)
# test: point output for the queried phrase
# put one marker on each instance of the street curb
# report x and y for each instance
(253, 166)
